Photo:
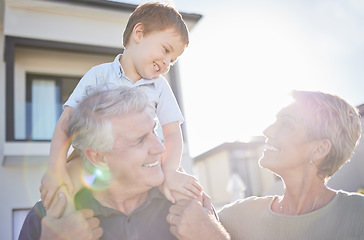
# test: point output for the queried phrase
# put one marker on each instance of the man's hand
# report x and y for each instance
(190, 220)
(80, 225)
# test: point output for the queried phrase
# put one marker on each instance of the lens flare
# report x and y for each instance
(99, 179)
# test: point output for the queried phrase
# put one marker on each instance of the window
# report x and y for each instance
(45, 96)
(19, 216)
(25, 55)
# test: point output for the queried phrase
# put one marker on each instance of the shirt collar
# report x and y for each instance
(117, 66)
(120, 72)
(84, 199)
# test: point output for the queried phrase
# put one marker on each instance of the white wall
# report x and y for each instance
(20, 183)
(214, 174)
(2, 95)
(19, 189)
(64, 22)
(20, 180)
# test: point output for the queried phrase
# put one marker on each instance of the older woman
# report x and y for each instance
(310, 140)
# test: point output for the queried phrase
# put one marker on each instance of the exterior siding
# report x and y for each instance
(52, 37)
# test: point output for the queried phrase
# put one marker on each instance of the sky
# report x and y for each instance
(245, 56)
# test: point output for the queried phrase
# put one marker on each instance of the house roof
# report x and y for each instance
(121, 6)
(361, 109)
(230, 146)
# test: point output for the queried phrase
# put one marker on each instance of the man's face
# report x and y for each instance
(135, 160)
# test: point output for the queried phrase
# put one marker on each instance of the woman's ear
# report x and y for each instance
(323, 149)
(138, 32)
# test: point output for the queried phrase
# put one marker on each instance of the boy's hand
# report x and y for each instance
(50, 183)
(182, 184)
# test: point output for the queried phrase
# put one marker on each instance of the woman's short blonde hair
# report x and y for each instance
(330, 117)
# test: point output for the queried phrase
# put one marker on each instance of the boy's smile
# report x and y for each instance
(153, 53)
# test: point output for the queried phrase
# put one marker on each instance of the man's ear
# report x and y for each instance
(93, 156)
(138, 32)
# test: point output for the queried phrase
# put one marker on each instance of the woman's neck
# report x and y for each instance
(303, 198)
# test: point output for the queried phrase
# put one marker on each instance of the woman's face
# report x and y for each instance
(287, 149)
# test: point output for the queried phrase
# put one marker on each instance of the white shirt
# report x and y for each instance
(111, 75)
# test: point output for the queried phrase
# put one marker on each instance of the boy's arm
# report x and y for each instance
(173, 143)
(75, 172)
(176, 180)
(56, 174)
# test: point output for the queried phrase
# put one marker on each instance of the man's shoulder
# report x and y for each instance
(32, 224)
(39, 208)
(37, 211)
(157, 200)
(154, 193)
(84, 199)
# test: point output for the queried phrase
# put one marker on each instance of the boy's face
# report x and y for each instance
(156, 52)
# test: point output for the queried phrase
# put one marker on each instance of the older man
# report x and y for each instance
(115, 136)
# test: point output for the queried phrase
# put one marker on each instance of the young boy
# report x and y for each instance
(154, 38)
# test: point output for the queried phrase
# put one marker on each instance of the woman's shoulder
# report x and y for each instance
(244, 210)
(352, 197)
(247, 203)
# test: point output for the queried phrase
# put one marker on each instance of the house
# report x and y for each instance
(46, 47)
(231, 170)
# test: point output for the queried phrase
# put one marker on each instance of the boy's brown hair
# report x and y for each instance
(156, 17)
